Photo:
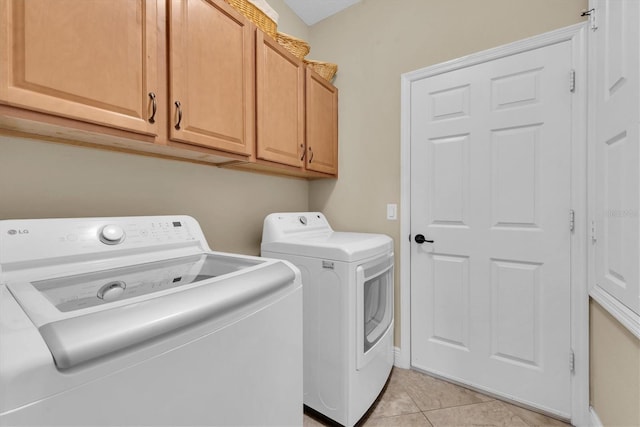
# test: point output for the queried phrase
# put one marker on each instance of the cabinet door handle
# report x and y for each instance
(304, 153)
(179, 109)
(154, 107)
(311, 157)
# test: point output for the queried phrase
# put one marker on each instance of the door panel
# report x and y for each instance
(321, 124)
(449, 180)
(83, 60)
(490, 184)
(616, 61)
(515, 318)
(514, 177)
(280, 86)
(216, 97)
(449, 301)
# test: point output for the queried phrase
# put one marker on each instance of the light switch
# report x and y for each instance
(392, 211)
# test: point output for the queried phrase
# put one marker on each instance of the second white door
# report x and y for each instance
(490, 185)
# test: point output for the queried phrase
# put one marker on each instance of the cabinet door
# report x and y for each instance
(615, 69)
(90, 60)
(280, 103)
(211, 76)
(322, 124)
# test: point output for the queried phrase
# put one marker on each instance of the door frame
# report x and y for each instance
(576, 35)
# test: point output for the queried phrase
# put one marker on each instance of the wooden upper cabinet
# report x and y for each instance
(211, 76)
(321, 124)
(190, 79)
(280, 103)
(90, 60)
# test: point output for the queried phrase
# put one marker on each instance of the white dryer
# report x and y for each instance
(135, 321)
(347, 281)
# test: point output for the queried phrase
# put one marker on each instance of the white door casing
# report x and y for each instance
(491, 185)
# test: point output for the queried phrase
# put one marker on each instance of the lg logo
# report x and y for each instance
(14, 232)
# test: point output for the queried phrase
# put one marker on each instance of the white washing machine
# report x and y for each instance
(135, 321)
(347, 310)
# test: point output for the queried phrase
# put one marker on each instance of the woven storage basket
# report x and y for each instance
(255, 15)
(326, 69)
(299, 48)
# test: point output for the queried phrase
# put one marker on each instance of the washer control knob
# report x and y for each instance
(111, 234)
(111, 291)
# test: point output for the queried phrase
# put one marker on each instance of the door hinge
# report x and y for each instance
(572, 81)
(572, 361)
(591, 13)
(572, 219)
(594, 238)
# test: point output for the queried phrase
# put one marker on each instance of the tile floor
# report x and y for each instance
(412, 399)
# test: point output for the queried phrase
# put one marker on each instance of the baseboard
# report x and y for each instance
(400, 359)
(594, 420)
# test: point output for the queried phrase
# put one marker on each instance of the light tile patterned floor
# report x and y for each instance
(416, 399)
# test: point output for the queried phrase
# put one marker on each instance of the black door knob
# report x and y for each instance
(420, 239)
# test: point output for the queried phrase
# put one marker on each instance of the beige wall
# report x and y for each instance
(615, 370)
(288, 21)
(42, 180)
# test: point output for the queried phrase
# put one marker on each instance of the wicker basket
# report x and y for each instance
(255, 15)
(326, 69)
(299, 48)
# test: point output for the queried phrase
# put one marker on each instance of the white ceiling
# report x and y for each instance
(312, 11)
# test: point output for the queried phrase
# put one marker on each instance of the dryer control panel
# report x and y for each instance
(282, 225)
(38, 239)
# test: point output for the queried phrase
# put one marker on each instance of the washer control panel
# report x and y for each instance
(81, 236)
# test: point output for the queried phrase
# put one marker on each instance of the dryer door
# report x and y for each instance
(374, 305)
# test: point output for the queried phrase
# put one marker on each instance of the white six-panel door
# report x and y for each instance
(614, 65)
(490, 185)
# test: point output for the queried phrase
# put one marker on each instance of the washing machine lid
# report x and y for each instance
(332, 245)
(87, 316)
